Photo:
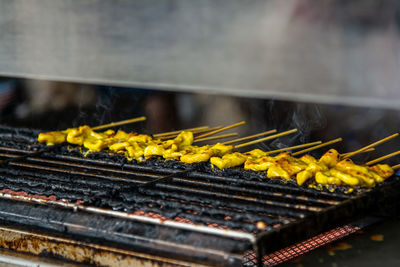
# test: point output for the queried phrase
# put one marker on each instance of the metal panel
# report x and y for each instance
(324, 51)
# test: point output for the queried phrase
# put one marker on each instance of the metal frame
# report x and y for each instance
(298, 213)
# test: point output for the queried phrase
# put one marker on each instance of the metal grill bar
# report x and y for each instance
(185, 194)
(39, 164)
(233, 199)
(301, 248)
(320, 197)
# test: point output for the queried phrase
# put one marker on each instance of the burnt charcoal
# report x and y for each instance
(159, 163)
(244, 197)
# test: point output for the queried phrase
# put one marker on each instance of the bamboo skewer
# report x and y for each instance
(396, 167)
(220, 130)
(178, 131)
(365, 151)
(293, 147)
(382, 158)
(266, 138)
(215, 137)
(249, 137)
(49, 148)
(371, 145)
(193, 131)
(113, 124)
(169, 177)
(318, 146)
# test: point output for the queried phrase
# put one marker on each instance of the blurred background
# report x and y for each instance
(57, 105)
(330, 68)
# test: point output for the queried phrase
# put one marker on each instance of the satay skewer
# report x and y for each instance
(220, 130)
(184, 172)
(193, 131)
(382, 158)
(371, 145)
(215, 137)
(365, 151)
(52, 147)
(396, 167)
(266, 138)
(119, 123)
(249, 137)
(159, 135)
(293, 147)
(318, 146)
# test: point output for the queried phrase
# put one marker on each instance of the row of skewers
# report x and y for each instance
(332, 168)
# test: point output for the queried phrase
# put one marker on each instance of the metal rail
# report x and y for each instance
(223, 204)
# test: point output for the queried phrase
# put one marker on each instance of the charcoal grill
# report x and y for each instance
(91, 210)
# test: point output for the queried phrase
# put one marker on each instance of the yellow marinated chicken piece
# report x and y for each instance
(135, 151)
(283, 155)
(153, 150)
(140, 138)
(310, 172)
(228, 160)
(317, 167)
(303, 176)
(76, 136)
(291, 166)
(276, 171)
(255, 153)
(123, 136)
(330, 158)
(360, 172)
(96, 142)
(325, 178)
(321, 178)
(345, 178)
(184, 139)
(308, 159)
(116, 147)
(173, 152)
(383, 170)
(52, 138)
(196, 157)
(95, 145)
(261, 164)
(220, 149)
(200, 154)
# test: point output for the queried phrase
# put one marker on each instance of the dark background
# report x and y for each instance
(50, 105)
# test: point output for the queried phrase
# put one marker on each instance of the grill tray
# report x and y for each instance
(204, 217)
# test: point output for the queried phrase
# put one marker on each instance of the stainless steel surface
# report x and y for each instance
(48, 246)
(320, 51)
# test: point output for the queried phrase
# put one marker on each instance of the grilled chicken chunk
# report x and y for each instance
(328, 170)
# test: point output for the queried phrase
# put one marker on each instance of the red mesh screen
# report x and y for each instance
(298, 249)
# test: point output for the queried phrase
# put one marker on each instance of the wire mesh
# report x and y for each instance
(301, 248)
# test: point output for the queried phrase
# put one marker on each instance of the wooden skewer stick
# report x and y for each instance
(193, 131)
(396, 167)
(249, 137)
(208, 130)
(382, 158)
(318, 146)
(220, 130)
(293, 147)
(365, 151)
(178, 131)
(215, 137)
(49, 148)
(113, 124)
(371, 145)
(266, 138)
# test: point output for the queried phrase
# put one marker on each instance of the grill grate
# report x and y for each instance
(231, 203)
(301, 248)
